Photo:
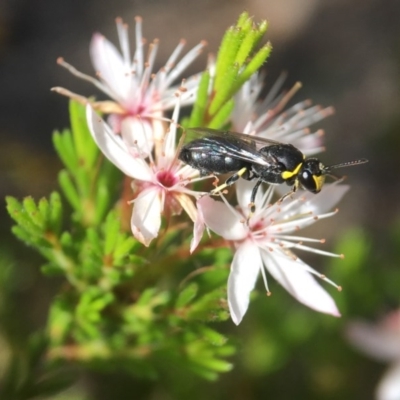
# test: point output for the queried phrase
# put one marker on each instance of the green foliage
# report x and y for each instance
(238, 59)
(28, 376)
(113, 313)
(157, 312)
(88, 181)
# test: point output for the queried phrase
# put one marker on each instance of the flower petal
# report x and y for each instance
(389, 387)
(319, 203)
(146, 215)
(198, 230)
(324, 201)
(138, 135)
(380, 343)
(245, 267)
(224, 221)
(298, 282)
(114, 148)
(108, 62)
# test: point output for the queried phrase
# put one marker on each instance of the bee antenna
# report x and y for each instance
(345, 164)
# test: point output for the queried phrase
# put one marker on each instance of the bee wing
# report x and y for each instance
(256, 141)
(220, 143)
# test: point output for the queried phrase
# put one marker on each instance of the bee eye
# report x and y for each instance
(305, 175)
(307, 181)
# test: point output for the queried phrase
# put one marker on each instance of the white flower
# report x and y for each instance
(382, 342)
(159, 182)
(267, 119)
(139, 96)
(265, 243)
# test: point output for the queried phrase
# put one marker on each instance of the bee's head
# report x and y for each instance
(312, 175)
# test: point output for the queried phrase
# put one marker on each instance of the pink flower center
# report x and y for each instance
(167, 178)
(257, 226)
(138, 110)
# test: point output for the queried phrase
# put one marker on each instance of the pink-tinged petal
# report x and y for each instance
(245, 267)
(198, 229)
(298, 282)
(169, 139)
(326, 200)
(374, 340)
(389, 386)
(222, 220)
(137, 135)
(108, 62)
(146, 215)
(297, 206)
(187, 204)
(114, 149)
(308, 143)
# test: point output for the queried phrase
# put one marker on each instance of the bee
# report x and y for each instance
(215, 152)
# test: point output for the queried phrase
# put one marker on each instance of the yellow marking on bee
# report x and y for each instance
(319, 182)
(289, 174)
(242, 171)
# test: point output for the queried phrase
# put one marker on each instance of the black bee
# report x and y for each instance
(251, 157)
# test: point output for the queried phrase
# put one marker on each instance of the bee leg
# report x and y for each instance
(288, 194)
(252, 204)
(230, 181)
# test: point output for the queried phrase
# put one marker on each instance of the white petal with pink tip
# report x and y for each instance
(245, 268)
(294, 277)
(146, 215)
(114, 148)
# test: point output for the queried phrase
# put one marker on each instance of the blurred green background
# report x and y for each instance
(347, 54)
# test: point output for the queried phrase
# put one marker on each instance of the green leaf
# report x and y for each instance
(200, 106)
(222, 116)
(85, 146)
(51, 269)
(212, 336)
(226, 55)
(69, 190)
(111, 231)
(22, 217)
(244, 21)
(186, 295)
(225, 92)
(124, 247)
(17, 212)
(64, 146)
(31, 209)
(55, 213)
(60, 319)
(254, 65)
(246, 47)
